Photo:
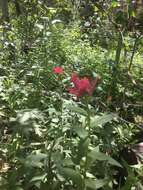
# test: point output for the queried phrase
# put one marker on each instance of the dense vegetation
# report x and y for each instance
(71, 95)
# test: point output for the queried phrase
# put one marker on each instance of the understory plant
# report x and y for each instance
(71, 95)
(67, 144)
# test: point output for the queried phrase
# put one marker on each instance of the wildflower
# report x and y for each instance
(82, 86)
(58, 70)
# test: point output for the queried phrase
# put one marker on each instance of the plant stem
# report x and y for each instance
(88, 115)
(119, 48)
(133, 52)
(88, 120)
(116, 65)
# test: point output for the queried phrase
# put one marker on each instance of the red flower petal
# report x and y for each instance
(58, 70)
(82, 86)
(74, 77)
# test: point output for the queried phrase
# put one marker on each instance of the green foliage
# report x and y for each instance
(51, 139)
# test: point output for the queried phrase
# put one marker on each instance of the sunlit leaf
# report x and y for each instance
(95, 184)
(35, 160)
(101, 120)
(78, 110)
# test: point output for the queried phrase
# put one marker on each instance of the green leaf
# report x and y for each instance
(35, 160)
(67, 162)
(139, 186)
(114, 4)
(40, 26)
(38, 178)
(95, 184)
(82, 149)
(101, 120)
(94, 155)
(19, 188)
(82, 133)
(83, 146)
(131, 178)
(77, 110)
(71, 174)
(133, 14)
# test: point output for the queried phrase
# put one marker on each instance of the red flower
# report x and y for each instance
(58, 70)
(82, 86)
